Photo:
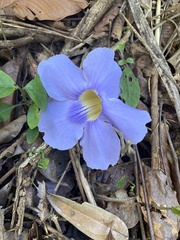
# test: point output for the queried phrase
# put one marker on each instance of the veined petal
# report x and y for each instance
(100, 145)
(60, 131)
(61, 78)
(102, 72)
(130, 121)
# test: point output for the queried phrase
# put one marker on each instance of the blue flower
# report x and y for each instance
(84, 105)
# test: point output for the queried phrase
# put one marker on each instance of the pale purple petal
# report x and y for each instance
(130, 121)
(61, 78)
(60, 131)
(77, 113)
(102, 72)
(100, 145)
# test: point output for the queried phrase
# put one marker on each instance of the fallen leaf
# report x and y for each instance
(164, 228)
(93, 221)
(117, 27)
(44, 9)
(127, 210)
(10, 131)
(50, 172)
(174, 60)
(105, 182)
(108, 17)
(161, 195)
(4, 192)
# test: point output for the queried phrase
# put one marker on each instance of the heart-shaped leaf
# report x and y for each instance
(37, 93)
(130, 87)
(7, 85)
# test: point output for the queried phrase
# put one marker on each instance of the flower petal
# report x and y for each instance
(100, 144)
(130, 121)
(61, 78)
(60, 131)
(102, 72)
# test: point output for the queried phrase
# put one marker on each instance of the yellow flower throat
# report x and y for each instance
(92, 103)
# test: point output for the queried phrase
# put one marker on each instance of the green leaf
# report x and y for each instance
(33, 116)
(127, 28)
(7, 85)
(121, 182)
(121, 47)
(176, 210)
(43, 163)
(129, 60)
(5, 111)
(122, 62)
(130, 87)
(32, 134)
(37, 93)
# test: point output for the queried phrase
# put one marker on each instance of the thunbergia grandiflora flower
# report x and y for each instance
(84, 105)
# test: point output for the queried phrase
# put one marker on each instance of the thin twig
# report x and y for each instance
(174, 163)
(49, 228)
(143, 233)
(150, 224)
(72, 156)
(61, 178)
(158, 19)
(85, 184)
(155, 123)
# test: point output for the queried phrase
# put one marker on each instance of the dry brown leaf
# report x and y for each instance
(117, 27)
(109, 16)
(93, 221)
(174, 60)
(10, 131)
(160, 194)
(105, 182)
(44, 9)
(127, 210)
(164, 228)
(175, 9)
(4, 192)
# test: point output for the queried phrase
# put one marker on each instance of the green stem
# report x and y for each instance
(24, 97)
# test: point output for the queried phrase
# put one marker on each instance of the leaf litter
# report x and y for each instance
(141, 207)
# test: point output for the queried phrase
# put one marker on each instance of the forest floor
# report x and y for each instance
(44, 191)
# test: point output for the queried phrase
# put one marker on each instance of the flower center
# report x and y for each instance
(90, 100)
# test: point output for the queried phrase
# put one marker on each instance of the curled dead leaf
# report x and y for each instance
(93, 221)
(44, 9)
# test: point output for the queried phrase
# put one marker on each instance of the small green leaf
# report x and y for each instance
(33, 116)
(122, 62)
(127, 28)
(43, 163)
(32, 134)
(37, 93)
(121, 47)
(176, 210)
(121, 182)
(130, 87)
(5, 111)
(130, 60)
(7, 85)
